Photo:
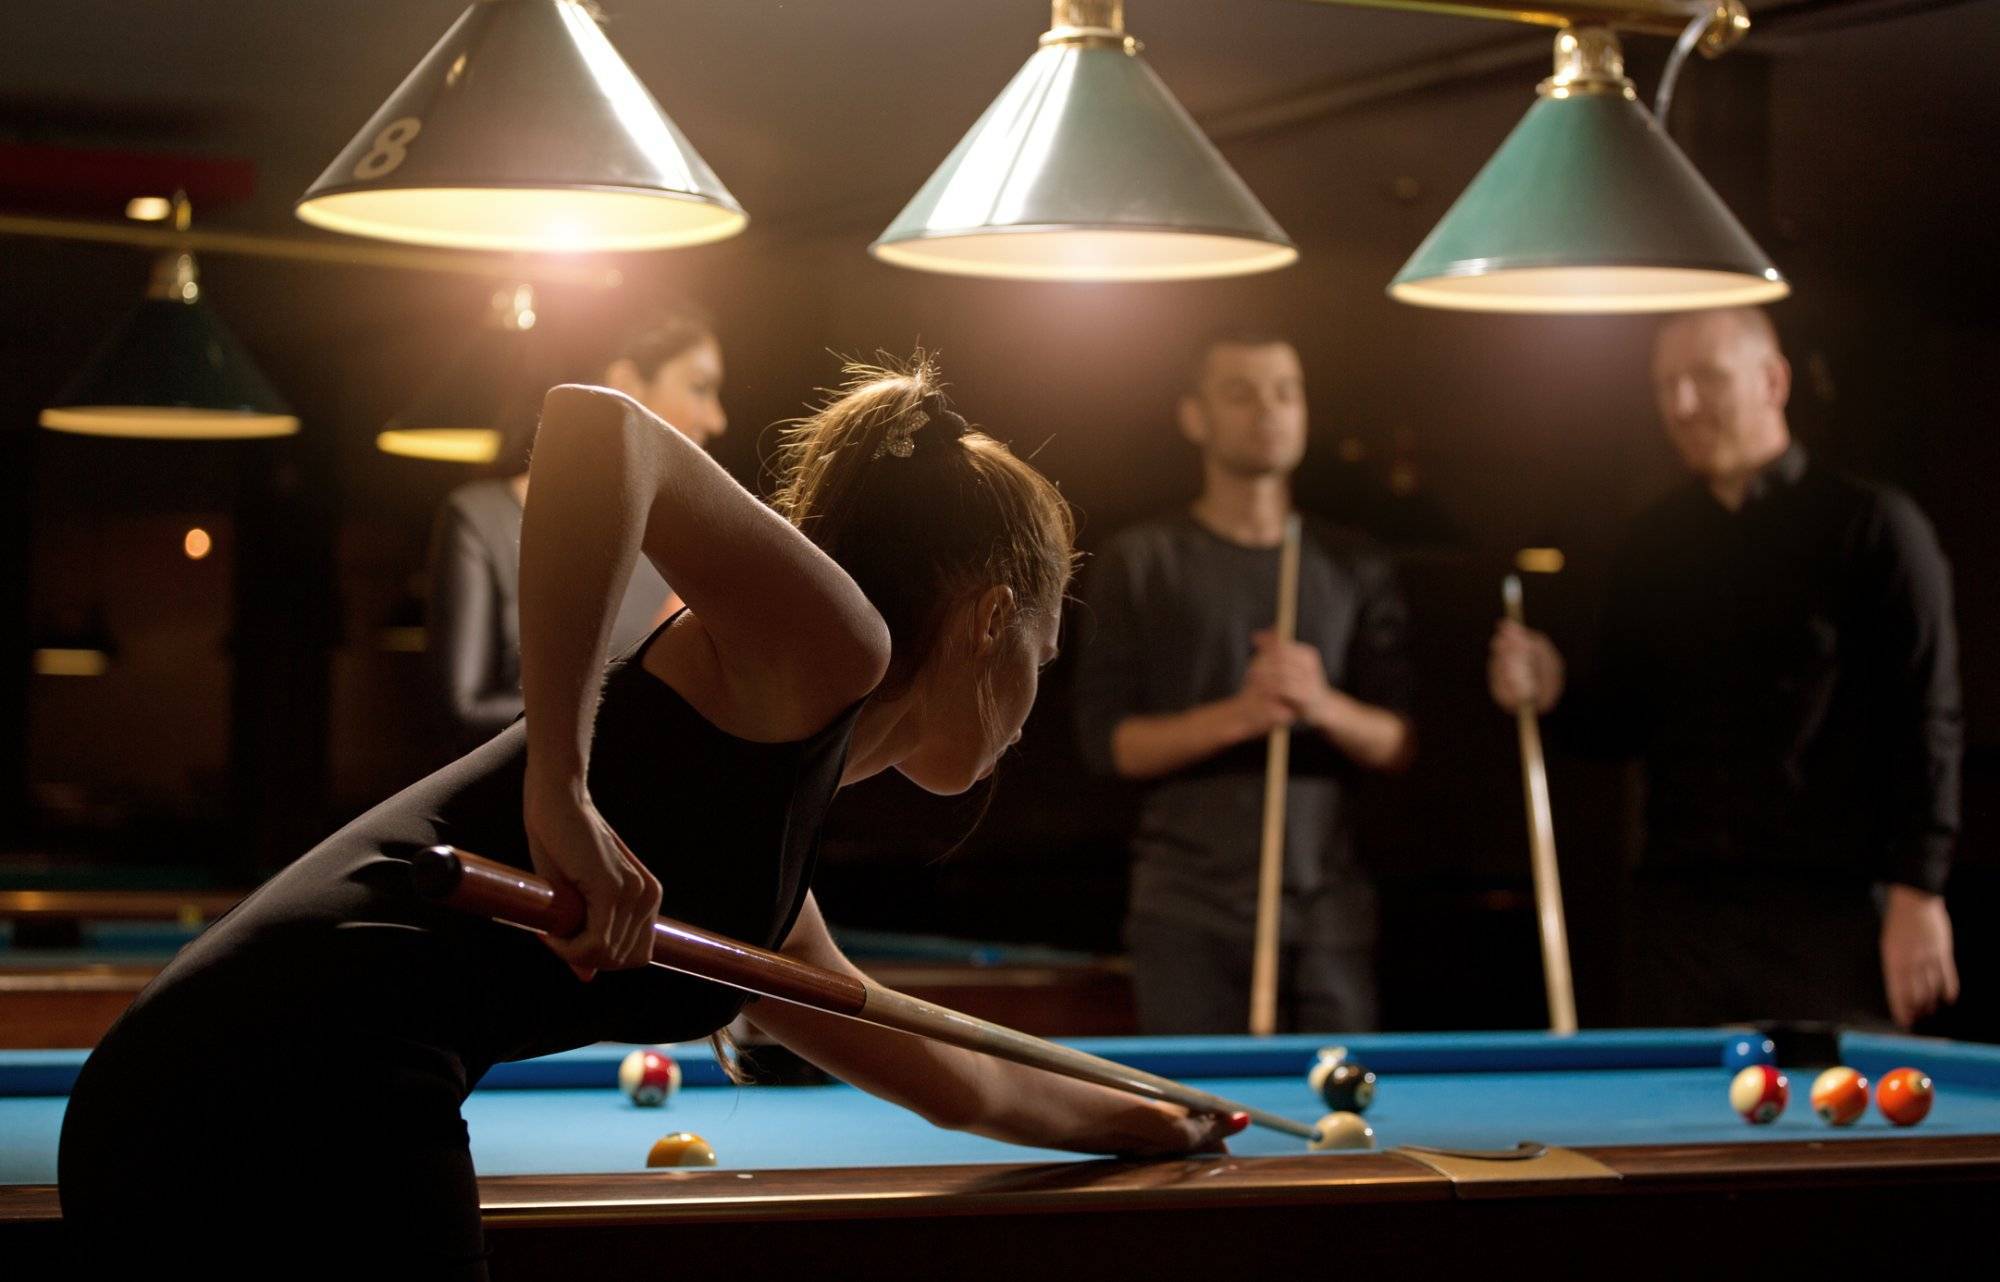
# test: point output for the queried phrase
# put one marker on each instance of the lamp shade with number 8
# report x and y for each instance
(523, 130)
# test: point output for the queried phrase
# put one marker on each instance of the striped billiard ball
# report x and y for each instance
(1760, 1092)
(649, 1078)
(1840, 1096)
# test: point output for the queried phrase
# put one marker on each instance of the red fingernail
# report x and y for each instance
(1237, 1122)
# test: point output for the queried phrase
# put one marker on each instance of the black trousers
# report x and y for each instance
(267, 1158)
(1713, 946)
(1194, 981)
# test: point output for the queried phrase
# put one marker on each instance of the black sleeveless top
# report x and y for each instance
(339, 948)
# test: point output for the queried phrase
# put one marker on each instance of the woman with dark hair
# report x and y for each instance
(893, 612)
(673, 367)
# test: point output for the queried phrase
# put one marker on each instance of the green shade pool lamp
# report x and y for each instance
(523, 130)
(458, 417)
(172, 371)
(1588, 207)
(1086, 168)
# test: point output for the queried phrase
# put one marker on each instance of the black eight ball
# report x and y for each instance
(1349, 1088)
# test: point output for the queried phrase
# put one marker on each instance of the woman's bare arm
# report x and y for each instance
(789, 638)
(967, 1091)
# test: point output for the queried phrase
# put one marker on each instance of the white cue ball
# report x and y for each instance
(1342, 1130)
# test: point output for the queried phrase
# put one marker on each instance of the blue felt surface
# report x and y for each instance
(1448, 1090)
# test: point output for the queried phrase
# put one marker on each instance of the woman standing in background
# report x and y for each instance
(672, 366)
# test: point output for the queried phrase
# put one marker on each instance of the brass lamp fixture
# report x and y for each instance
(1085, 168)
(172, 370)
(523, 130)
(1588, 207)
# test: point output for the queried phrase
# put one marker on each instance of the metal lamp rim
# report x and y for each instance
(558, 186)
(196, 423)
(1012, 229)
(1469, 267)
(312, 209)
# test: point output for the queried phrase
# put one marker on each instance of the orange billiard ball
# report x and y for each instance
(1840, 1096)
(1904, 1095)
(682, 1148)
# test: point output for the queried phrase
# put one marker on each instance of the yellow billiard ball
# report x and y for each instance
(682, 1148)
(1342, 1130)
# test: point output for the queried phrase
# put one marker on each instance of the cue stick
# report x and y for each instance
(1542, 850)
(1271, 849)
(469, 883)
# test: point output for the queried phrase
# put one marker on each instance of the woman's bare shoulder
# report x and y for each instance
(685, 657)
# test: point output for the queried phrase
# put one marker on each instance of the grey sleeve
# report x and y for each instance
(462, 628)
(1108, 681)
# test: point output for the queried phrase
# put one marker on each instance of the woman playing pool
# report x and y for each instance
(893, 612)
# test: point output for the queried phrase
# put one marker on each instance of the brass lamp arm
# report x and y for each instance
(1728, 21)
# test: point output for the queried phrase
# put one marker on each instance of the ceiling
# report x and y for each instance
(814, 112)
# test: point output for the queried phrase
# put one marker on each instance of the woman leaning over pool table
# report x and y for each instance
(284, 1097)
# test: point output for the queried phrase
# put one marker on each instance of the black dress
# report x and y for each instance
(291, 1082)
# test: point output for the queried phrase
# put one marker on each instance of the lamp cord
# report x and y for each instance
(1663, 100)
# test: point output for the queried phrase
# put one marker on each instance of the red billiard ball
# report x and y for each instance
(1840, 1096)
(1760, 1092)
(649, 1078)
(1904, 1095)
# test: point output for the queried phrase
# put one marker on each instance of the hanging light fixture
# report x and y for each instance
(172, 371)
(458, 418)
(523, 130)
(1588, 207)
(1086, 168)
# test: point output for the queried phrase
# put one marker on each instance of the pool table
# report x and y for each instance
(1648, 1170)
(71, 961)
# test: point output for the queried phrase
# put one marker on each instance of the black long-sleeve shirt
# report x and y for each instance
(1169, 607)
(1788, 676)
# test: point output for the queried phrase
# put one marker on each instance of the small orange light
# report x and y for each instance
(197, 544)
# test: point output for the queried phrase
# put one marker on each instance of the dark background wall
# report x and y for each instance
(253, 706)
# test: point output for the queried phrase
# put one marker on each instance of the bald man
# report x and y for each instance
(1778, 653)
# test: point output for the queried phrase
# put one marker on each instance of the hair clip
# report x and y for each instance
(897, 440)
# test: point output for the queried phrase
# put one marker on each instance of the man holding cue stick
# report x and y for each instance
(1186, 684)
(1779, 656)
(1271, 845)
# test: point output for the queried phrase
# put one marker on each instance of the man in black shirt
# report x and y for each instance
(1180, 681)
(1778, 651)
